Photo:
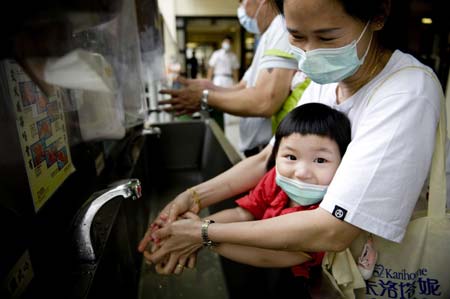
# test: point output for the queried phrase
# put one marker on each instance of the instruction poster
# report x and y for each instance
(42, 133)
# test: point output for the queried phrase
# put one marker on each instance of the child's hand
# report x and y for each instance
(190, 215)
(172, 263)
(148, 239)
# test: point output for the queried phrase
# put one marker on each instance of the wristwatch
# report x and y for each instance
(204, 100)
(206, 241)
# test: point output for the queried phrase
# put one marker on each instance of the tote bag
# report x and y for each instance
(418, 267)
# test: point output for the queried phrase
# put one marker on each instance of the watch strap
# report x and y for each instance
(204, 100)
(205, 238)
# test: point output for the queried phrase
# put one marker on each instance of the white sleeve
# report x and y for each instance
(213, 60)
(277, 40)
(385, 166)
(235, 63)
(246, 76)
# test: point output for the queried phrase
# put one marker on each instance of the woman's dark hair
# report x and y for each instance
(279, 4)
(375, 11)
(314, 119)
(366, 10)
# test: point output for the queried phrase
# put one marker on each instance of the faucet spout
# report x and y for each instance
(152, 130)
(83, 221)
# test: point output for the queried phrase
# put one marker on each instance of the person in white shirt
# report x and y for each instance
(224, 65)
(264, 87)
(223, 71)
(393, 103)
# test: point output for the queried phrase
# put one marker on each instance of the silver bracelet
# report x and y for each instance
(206, 241)
(204, 100)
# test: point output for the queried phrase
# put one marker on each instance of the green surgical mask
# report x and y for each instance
(328, 65)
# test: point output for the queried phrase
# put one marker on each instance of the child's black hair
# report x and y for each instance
(315, 119)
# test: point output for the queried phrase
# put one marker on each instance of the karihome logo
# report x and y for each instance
(389, 283)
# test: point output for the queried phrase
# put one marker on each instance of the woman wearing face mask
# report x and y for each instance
(264, 87)
(310, 143)
(393, 103)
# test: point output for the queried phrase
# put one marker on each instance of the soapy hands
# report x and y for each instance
(164, 246)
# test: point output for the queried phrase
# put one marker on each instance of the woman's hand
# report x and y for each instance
(180, 205)
(175, 262)
(178, 239)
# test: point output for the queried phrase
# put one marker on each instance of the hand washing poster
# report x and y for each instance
(42, 133)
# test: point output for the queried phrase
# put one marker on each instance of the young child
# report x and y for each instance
(309, 145)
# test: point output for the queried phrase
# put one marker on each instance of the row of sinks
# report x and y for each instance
(170, 157)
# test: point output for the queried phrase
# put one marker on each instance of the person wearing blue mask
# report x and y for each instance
(249, 23)
(393, 102)
(309, 145)
(264, 87)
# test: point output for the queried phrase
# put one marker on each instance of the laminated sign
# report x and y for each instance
(42, 132)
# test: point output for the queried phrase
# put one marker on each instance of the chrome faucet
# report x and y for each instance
(83, 221)
(152, 130)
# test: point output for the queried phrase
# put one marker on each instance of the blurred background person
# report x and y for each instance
(223, 67)
(264, 87)
(192, 66)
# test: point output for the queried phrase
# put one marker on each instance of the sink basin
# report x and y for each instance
(185, 154)
(169, 158)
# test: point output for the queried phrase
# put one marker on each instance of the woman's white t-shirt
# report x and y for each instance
(394, 119)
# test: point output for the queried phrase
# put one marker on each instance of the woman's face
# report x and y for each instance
(314, 24)
(308, 158)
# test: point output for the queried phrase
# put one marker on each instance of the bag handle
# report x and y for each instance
(438, 185)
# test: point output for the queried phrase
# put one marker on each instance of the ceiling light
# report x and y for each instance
(427, 21)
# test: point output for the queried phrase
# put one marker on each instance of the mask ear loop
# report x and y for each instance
(370, 42)
(258, 9)
(362, 33)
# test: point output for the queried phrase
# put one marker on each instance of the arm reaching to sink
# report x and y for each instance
(238, 179)
(258, 257)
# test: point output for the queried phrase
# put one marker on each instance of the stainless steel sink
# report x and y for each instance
(182, 155)
(167, 159)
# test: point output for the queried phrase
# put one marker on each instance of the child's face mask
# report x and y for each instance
(302, 193)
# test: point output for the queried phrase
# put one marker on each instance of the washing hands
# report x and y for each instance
(173, 262)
